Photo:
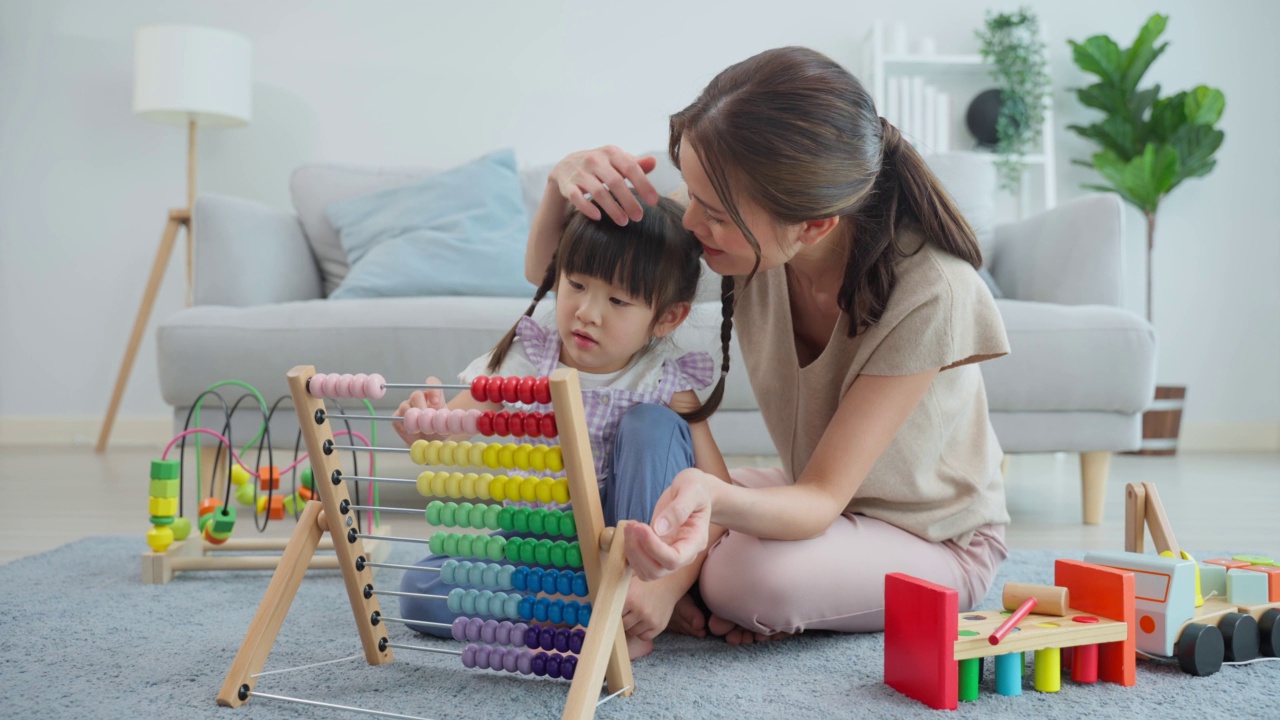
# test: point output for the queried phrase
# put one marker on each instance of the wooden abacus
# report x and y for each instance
(603, 655)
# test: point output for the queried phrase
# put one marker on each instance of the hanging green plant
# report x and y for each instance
(1011, 43)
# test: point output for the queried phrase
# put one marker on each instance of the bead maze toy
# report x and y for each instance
(256, 486)
(586, 655)
(934, 653)
(1201, 614)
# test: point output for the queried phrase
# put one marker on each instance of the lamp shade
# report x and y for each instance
(183, 72)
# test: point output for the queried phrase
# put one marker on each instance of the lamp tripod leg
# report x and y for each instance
(177, 219)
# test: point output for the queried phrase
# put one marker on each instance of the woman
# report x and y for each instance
(860, 314)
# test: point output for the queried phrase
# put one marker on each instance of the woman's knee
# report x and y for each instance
(740, 583)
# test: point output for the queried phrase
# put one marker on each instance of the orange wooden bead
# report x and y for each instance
(304, 493)
(269, 477)
(277, 507)
(208, 505)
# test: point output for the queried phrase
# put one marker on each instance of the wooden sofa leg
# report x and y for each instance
(1093, 481)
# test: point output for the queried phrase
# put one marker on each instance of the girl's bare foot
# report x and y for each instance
(687, 618)
(735, 635)
(637, 648)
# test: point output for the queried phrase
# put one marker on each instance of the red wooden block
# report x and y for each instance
(1273, 580)
(920, 629)
(1227, 563)
(1106, 592)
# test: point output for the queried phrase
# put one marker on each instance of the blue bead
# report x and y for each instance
(531, 637)
(540, 609)
(571, 613)
(555, 611)
(549, 579)
(520, 578)
(584, 614)
(547, 638)
(535, 579)
(526, 607)
(564, 583)
(580, 584)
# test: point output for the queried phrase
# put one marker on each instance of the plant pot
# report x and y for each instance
(1161, 421)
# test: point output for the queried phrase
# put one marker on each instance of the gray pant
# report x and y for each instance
(651, 446)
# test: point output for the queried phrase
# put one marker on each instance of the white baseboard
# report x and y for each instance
(1262, 436)
(62, 431)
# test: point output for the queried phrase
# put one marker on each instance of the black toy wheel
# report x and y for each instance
(1269, 633)
(1200, 650)
(1239, 637)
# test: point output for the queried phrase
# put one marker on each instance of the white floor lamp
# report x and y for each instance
(183, 75)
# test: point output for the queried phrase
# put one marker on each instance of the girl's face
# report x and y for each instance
(602, 327)
(725, 249)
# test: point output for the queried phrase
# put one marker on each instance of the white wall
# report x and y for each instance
(84, 185)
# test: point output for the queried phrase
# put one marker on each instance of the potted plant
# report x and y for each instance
(1148, 145)
(1012, 44)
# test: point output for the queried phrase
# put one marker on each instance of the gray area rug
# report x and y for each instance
(82, 637)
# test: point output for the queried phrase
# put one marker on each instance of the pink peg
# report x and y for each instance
(316, 385)
(358, 385)
(441, 422)
(374, 387)
(455, 421)
(411, 418)
(470, 421)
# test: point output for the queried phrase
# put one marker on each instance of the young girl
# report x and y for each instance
(620, 291)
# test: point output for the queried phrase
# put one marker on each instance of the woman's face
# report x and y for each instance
(725, 249)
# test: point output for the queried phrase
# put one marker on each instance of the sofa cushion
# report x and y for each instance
(1071, 358)
(970, 180)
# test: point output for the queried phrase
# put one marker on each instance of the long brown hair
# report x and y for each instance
(654, 259)
(793, 132)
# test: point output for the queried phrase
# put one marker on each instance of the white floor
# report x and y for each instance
(1214, 501)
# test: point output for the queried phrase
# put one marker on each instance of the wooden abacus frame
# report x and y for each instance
(604, 651)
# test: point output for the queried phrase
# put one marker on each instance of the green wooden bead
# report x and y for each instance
(464, 545)
(181, 528)
(308, 480)
(451, 544)
(522, 520)
(528, 552)
(437, 543)
(164, 489)
(542, 553)
(203, 520)
(245, 494)
(559, 554)
(447, 512)
(512, 549)
(537, 522)
(497, 547)
(568, 526)
(433, 512)
(478, 515)
(507, 519)
(224, 520)
(552, 523)
(158, 520)
(492, 514)
(574, 555)
(165, 470)
(463, 515)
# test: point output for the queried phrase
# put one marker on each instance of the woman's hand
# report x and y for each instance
(678, 533)
(420, 399)
(603, 174)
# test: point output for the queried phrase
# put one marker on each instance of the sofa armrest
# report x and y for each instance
(1070, 255)
(247, 253)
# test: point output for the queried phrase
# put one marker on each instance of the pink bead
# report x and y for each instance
(455, 421)
(470, 422)
(344, 385)
(426, 421)
(373, 387)
(358, 385)
(411, 417)
(331, 385)
(440, 423)
(316, 386)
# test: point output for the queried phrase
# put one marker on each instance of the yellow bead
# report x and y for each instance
(433, 452)
(239, 475)
(507, 456)
(424, 483)
(438, 483)
(555, 459)
(498, 488)
(462, 453)
(522, 457)
(469, 485)
(538, 458)
(159, 537)
(528, 489)
(482, 487)
(491, 456)
(446, 452)
(418, 452)
(560, 492)
(476, 454)
(513, 488)
(245, 494)
(545, 493)
(162, 507)
(453, 486)
(262, 504)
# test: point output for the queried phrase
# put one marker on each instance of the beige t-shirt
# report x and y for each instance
(940, 476)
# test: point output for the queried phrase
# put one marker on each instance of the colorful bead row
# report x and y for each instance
(515, 606)
(431, 421)
(162, 505)
(492, 455)
(534, 637)
(509, 577)
(483, 516)
(527, 390)
(484, 486)
(526, 662)
(529, 551)
(347, 386)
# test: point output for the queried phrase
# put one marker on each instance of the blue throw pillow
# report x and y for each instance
(460, 232)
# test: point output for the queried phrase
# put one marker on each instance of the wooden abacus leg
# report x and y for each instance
(603, 636)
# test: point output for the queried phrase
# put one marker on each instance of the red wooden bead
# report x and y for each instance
(549, 424)
(485, 423)
(500, 423)
(526, 390)
(493, 393)
(511, 389)
(479, 389)
(516, 424)
(542, 390)
(533, 424)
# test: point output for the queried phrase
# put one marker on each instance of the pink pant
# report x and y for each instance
(836, 580)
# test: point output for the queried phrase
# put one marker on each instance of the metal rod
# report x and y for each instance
(403, 621)
(395, 566)
(432, 387)
(393, 538)
(304, 667)
(317, 703)
(374, 478)
(392, 418)
(424, 648)
(613, 696)
(369, 449)
(386, 509)
(399, 593)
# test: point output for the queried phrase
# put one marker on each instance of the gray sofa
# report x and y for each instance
(1080, 373)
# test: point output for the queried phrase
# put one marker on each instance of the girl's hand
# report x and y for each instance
(679, 529)
(421, 399)
(603, 173)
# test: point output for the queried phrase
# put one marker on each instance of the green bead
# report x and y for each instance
(528, 552)
(165, 470)
(155, 520)
(491, 517)
(522, 520)
(463, 514)
(464, 545)
(512, 549)
(568, 526)
(181, 528)
(451, 544)
(437, 543)
(552, 523)
(559, 553)
(480, 546)
(433, 512)
(537, 522)
(1253, 559)
(574, 555)
(447, 511)
(506, 519)
(542, 554)
(478, 515)
(308, 480)
(164, 489)
(224, 520)
(245, 494)
(203, 520)
(497, 547)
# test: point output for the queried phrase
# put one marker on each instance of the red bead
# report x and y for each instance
(533, 424)
(516, 424)
(542, 390)
(549, 424)
(493, 392)
(479, 389)
(500, 423)
(511, 389)
(526, 390)
(485, 423)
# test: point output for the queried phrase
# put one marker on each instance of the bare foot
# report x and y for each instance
(637, 648)
(687, 618)
(735, 635)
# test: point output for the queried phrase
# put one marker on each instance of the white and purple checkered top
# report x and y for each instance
(651, 377)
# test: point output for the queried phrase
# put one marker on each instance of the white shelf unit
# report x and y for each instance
(960, 70)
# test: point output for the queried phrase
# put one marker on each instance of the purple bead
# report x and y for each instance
(540, 664)
(553, 665)
(517, 634)
(469, 655)
(459, 629)
(568, 667)
(510, 660)
(473, 628)
(503, 634)
(576, 638)
(482, 657)
(562, 640)
(547, 638)
(525, 662)
(489, 631)
(531, 637)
